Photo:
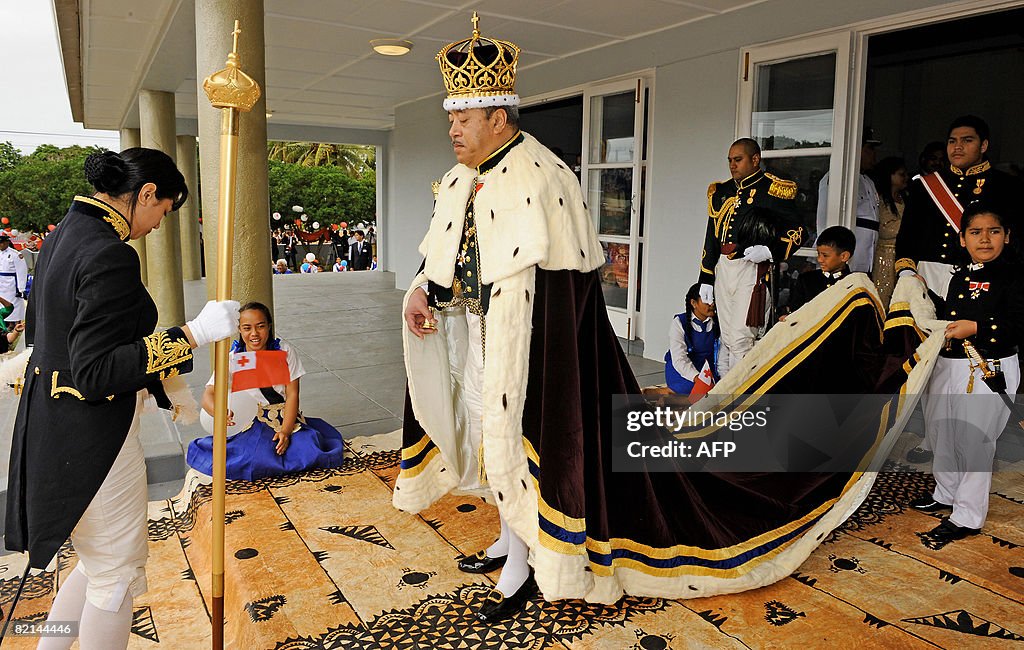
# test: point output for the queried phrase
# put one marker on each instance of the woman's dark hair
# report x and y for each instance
(882, 175)
(118, 174)
(977, 209)
(258, 306)
(691, 295)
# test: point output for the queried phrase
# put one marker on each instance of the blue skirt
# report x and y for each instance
(251, 455)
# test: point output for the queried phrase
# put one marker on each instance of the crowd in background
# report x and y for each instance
(347, 250)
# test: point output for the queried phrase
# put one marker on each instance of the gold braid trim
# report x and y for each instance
(723, 215)
(112, 216)
(781, 188)
(905, 263)
(793, 239)
(704, 254)
(56, 390)
(164, 353)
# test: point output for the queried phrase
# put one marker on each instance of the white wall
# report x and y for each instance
(420, 154)
(692, 127)
(693, 124)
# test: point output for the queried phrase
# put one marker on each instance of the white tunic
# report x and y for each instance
(13, 276)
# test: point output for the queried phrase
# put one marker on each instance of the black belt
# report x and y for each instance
(863, 222)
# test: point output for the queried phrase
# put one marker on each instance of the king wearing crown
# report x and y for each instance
(505, 322)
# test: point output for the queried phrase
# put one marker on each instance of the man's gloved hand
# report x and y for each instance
(757, 254)
(707, 294)
(217, 320)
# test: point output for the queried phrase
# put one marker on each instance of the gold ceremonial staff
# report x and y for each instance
(231, 90)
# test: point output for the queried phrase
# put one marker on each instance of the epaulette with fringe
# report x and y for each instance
(781, 188)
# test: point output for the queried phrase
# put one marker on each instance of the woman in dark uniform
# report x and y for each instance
(77, 466)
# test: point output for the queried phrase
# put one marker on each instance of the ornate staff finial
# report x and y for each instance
(230, 87)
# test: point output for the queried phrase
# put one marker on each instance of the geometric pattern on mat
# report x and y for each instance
(322, 560)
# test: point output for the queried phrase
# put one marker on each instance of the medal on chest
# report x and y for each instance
(977, 287)
(981, 183)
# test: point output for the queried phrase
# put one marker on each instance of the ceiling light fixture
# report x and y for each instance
(391, 46)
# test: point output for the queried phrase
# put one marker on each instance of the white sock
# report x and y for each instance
(517, 566)
(67, 607)
(500, 547)
(103, 630)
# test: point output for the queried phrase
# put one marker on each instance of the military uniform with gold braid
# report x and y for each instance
(929, 244)
(756, 211)
(94, 350)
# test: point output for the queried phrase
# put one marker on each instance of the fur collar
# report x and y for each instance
(530, 211)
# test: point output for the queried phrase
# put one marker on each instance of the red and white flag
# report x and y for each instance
(702, 383)
(258, 369)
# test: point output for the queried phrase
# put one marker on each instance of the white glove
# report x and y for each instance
(757, 254)
(707, 294)
(217, 320)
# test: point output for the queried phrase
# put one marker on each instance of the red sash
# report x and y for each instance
(944, 199)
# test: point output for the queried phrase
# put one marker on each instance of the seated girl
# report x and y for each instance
(279, 439)
(693, 340)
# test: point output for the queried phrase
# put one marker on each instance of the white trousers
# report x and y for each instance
(111, 537)
(964, 429)
(467, 364)
(734, 282)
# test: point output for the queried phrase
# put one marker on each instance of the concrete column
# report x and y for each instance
(163, 246)
(188, 215)
(132, 138)
(251, 274)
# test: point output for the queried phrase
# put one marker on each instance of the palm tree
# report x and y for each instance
(354, 159)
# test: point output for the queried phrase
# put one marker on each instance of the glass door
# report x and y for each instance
(612, 177)
(793, 102)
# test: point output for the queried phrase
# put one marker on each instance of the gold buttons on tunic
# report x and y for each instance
(952, 313)
(37, 370)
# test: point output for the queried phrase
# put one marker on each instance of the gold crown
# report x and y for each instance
(475, 82)
(230, 87)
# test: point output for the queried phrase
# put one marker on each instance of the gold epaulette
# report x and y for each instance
(781, 188)
(905, 263)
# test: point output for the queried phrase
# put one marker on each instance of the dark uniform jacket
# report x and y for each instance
(991, 294)
(91, 321)
(810, 284)
(759, 210)
(925, 233)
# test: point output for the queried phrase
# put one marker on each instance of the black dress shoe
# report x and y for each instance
(947, 531)
(497, 607)
(920, 455)
(480, 563)
(928, 504)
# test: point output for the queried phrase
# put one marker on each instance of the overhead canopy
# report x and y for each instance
(321, 70)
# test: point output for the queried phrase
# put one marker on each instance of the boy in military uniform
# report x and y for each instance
(836, 246)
